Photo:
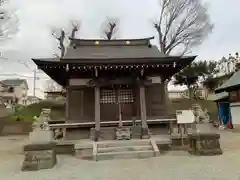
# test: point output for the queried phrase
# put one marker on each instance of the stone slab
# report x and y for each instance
(204, 135)
(39, 146)
(125, 155)
(125, 148)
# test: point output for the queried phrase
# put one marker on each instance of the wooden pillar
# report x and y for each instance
(67, 104)
(143, 112)
(82, 103)
(97, 113)
(165, 96)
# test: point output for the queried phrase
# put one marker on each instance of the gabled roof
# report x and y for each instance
(112, 52)
(14, 82)
(218, 96)
(233, 82)
(112, 42)
(87, 55)
(112, 49)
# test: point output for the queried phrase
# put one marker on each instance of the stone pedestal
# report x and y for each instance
(204, 144)
(145, 133)
(39, 156)
(40, 152)
(123, 133)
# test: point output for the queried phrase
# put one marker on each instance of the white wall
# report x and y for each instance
(235, 112)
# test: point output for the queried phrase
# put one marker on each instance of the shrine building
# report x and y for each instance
(111, 83)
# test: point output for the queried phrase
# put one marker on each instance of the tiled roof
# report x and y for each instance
(112, 49)
(234, 81)
(112, 52)
(13, 82)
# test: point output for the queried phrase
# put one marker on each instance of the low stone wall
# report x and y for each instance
(84, 151)
(178, 142)
(39, 156)
(65, 148)
(109, 133)
(77, 133)
(106, 133)
(14, 128)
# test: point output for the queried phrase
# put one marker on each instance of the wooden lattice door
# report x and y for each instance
(116, 104)
(126, 100)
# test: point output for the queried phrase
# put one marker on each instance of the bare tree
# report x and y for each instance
(62, 37)
(110, 28)
(182, 25)
(74, 28)
(8, 22)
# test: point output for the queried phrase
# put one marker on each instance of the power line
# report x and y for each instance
(14, 74)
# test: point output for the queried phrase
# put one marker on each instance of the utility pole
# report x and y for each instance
(34, 81)
(34, 75)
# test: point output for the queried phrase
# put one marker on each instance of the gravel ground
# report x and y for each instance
(172, 166)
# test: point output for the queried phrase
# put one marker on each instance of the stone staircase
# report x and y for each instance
(125, 149)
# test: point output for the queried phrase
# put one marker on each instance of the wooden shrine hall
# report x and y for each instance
(112, 83)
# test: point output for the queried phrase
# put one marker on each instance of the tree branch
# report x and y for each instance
(110, 28)
(183, 24)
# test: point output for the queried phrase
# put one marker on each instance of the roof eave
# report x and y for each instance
(227, 88)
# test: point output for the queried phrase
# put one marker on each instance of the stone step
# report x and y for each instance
(125, 155)
(118, 143)
(125, 148)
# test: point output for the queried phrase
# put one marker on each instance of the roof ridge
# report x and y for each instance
(113, 42)
(124, 39)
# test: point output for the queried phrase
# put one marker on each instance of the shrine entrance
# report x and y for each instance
(117, 104)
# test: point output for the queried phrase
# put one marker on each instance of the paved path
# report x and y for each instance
(172, 166)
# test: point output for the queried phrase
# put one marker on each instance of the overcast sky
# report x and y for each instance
(38, 17)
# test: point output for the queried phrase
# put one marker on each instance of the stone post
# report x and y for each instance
(40, 152)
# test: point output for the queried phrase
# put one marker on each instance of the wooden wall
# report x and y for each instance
(234, 95)
(81, 105)
(155, 100)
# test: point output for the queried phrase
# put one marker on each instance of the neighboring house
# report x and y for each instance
(32, 100)
(180, 94)
(177, 94)
(229, 108)
(213, 83)
(14, 91)
(55, 95)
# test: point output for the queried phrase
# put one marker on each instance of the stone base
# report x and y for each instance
(123, 133)
(136, 132)
(145, 133)
(95, 135)
(204, 144)
(39, 156)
